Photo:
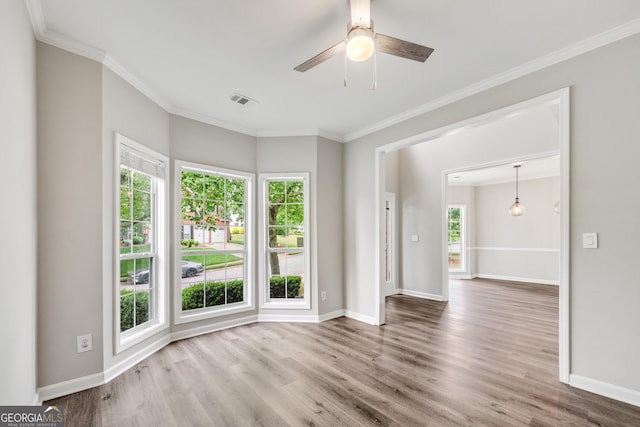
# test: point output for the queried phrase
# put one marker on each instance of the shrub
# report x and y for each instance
(137, 240)
(189, 242)
(194, 296)
(277, 286)
(126, 309)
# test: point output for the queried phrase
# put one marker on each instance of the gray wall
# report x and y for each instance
(69, 214)
(19, 207)
(604, 131)
(330, 227)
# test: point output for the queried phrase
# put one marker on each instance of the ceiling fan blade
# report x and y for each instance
(321, 57)
(402, 48)
(361, 13)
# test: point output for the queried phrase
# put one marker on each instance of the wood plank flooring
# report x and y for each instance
(488, 358)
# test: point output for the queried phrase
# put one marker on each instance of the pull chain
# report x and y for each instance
(374, 85)
(345, 68)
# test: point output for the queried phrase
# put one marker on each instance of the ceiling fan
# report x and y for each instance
(361, 41)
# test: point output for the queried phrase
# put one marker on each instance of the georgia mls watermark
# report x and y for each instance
(31, 416)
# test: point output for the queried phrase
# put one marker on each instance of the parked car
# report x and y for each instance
(189, 269)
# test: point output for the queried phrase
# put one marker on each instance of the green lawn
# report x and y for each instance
(212, 261)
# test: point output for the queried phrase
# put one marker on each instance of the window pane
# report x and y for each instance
(141, 181)
(224, 278)
(214, 187)
(125, 209)
(276, 214)
(286, 276)
(141, 206)
(192, 281)
(295, 214)
(192, 185)
(136, 282)
(124, 176)
(141, 240)
(295, 192)
(276, 192)
(235, 191)
(235, 212)
(237, 237)
(277, 237)
(126, 236)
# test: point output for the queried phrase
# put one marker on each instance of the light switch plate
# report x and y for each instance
(590, 240)
(415, 238)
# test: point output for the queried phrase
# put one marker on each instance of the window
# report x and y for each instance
(455, 231)
(285, 239)
(141, 249)
(213, 247)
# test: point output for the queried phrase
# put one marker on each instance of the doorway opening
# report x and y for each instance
(412, 242)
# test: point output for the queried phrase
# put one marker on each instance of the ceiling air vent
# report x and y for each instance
(242, 100)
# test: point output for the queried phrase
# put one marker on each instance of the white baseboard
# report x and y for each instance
(294, 318)
(462, 276)
(201, 330)
(331, 315)
(71, 386)
(360, 317)
(120, 367)
(622, 394)
(418, 294)
(299, 318)
(517, 279)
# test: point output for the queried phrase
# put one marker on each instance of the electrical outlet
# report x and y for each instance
(85, 343)
(323, 295)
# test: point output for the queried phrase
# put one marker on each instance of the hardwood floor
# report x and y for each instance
(488, 357)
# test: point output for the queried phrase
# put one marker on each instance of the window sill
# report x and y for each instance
(208, 313)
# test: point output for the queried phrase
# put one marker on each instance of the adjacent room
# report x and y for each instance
(277, 213)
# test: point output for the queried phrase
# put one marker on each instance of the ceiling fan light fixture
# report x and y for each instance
(360, 44)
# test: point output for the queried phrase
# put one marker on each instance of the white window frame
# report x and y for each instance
(263, 226)
(160, 300)
(248, 303)
(463, 232)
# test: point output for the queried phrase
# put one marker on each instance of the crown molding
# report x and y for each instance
(284, 134)
(212, 121)
(134, 81)
(583, 46)
(36, 15)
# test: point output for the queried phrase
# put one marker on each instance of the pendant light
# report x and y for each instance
(517, 209)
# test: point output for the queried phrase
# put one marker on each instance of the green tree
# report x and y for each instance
(208, 198)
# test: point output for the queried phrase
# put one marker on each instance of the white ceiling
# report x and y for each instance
(191, 55)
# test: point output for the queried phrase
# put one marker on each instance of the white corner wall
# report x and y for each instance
(19, 207)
